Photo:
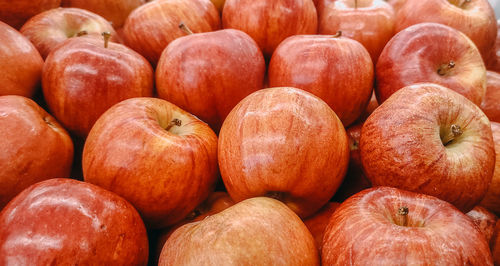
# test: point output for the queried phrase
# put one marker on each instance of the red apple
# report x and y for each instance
(115, 11)
(16, 13)
(429, 139)
(390, 226)
(34, 146)
(370, 22)
(493, 61)
(152, 26)
(283, 143)
(491, 200)
(396, 4)
(495, 244)
(68, 222)
(476, 19)
(160, 158)
(318, 222)
(50, 28)
(336, 69)
(257, 231)
(21, 64)
(270, 22)
(86, 76)
(431, 52)
(484, 220)
(207, 74)
(490, 104)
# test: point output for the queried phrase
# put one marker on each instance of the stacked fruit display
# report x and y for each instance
(249, 132)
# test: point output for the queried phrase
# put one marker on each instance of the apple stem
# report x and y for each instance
(444, 68)
(338, 34)
(455, 132)
(403, 212)
(81, 33)
(106, 36)
(355, 4)
(174, 122)
(185, 28)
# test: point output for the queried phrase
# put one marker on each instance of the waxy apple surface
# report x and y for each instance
(491, 200)
(16, 13)
(484, 220)
(491, 101)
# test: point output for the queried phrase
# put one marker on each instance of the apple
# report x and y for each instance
(493, 61)
(67, 222)
(49, 29)
(431, 52)
(491, 99)
(115, 11)
(336, 69)
(152, 26)
(86, 76)
(207, 74)
(491, 200)
(396, 4)
(390, 226)
(429, 139)
(21, 65)
(318, 222)
(256, 231)
(283, 143)
(270, 22)
(495, 244)
(160, 158)
(370, 22)
(476, 19)
(484, 220)
(34, 146)
(16, 13)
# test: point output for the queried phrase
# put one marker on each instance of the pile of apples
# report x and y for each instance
(249, 132)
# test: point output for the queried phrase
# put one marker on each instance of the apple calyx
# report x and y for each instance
(81, 33)
(185, 28)
(354, 145)
(445, 68)
(403, 212)
(455, 132)
(106, 35)
(174, 122)
(48, 122)
(338, 34)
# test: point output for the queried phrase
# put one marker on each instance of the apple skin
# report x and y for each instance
(164, 170)
(406, 143)
(484, 220)
(336, 69)
(493, 61)
(82, 79)
(270, 22)
(34, 146)
(417, 53)
(370, 22)
(367, 228)
(16, 13)
(115, 11)
(219, 4)
(491, 99)
(67, 222)
(257, 231)
(318, 222)
(491, 200)
(21, 66)
(396, 4)
(207, 74)
(495, 244)
(283, 143)
(50, 28)
(476, 19)
(152, 26)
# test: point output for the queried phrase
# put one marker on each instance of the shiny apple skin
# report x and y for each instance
(21, 66)
(257, 231)
(491, 200)
(115, 11)
(337, 70)
(152, 26)
(318, 222)
(284, 143)
(366, 228)
(16, 13)
(207, 74)
(164, 174)
(67, 222)
(270, 22)
(82, 79)
(477, 20)
(34, 146)
(401, 145)
(491, 101)
(50, 28)
(484, 220)
(415, 54)
(371, 22)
